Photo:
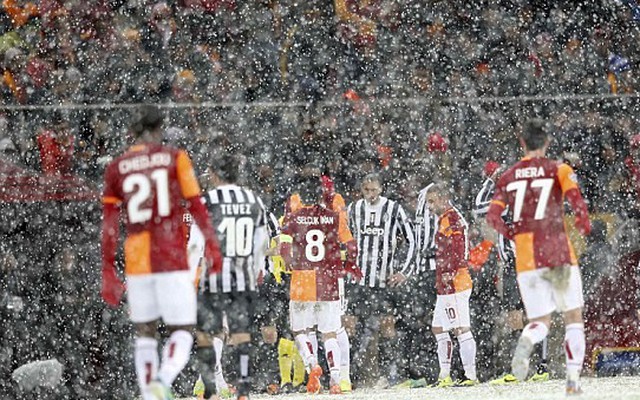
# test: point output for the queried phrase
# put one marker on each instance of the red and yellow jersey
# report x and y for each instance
(149, 183)
(534, 190)
(452, 253)
(315, 233)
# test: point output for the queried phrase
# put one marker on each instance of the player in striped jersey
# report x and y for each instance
(240, 218)
(453, 285)
(511, 299)
(376, 223)
(422, 287)
(426, 223)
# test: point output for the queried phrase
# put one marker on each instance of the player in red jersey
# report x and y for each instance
(453, 288)
(310, 245)
(534, 190)
(152, 184)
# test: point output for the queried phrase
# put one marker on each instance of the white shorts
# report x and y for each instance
(541, 296)
(167, 295)
(307, 314)
(452, 310)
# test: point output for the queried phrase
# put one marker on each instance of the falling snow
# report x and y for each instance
(417, 91)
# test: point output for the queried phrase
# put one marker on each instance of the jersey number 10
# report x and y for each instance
(238, 235)
(520, 187)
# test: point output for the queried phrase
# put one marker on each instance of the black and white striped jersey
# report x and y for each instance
(506, 247)
(240, 220)
(273, 230)
(376, 229)
(426, 227)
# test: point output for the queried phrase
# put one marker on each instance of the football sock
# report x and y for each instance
(244, 356)
(146, 362)
(175, 356)
(468, 354)
(299, 370)
(535, 332)
(204, 361)
(285, 360)
(332, 351)
(305, 349)
(574, 348)
(345, 356)
(445, 348)
(387, 356)
(541, 350)
(218, 345)
(313, 338)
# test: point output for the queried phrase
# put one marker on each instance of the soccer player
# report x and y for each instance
(151, 183)
(534, 190)
(312, 234)
(510, 294)
(377, 222)
(240, 218)
(453, 287)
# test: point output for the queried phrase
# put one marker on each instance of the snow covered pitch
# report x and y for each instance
(620, 388)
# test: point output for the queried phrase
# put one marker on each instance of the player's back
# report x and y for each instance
(151, 182)
(534, 189)
(237, 213)
(315, 260)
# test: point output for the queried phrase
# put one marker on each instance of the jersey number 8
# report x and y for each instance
(314, 251)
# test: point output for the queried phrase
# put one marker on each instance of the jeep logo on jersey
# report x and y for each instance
(372, 231)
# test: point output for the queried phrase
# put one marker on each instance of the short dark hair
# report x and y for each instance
(227, 167)
(534, 134)
(148, 118)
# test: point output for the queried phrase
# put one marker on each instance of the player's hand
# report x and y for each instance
(352, 269)
(112, 287)
(396, 280)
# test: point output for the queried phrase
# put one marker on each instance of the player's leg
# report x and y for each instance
(343, 341)
(571, 302)
(218, 346)
(144, 312)
(205, 354)
(345, 359)
(210, 341)
(286, 349)
(146, 356)
(179, 312)
(516, 317)
(388, 352)
(329, 322)
(300, 315)
(240, 316)
(537, 297)
(460, 320)
(313, 338)
(443, 340)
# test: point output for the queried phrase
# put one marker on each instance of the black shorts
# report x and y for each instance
(239, 307)
(511, 299)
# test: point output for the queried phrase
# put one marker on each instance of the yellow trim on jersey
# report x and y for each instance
(499, 203)
(111, 200)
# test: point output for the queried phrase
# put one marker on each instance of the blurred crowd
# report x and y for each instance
(399, 87)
